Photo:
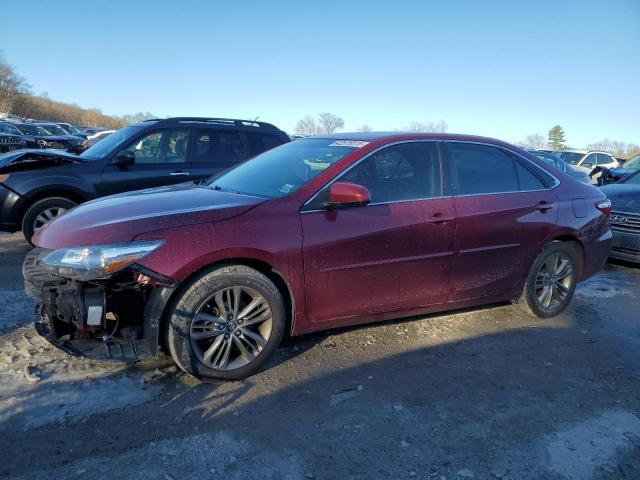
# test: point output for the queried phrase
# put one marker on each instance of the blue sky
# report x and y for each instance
(499, 68)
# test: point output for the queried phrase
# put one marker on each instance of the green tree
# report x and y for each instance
(556, 138)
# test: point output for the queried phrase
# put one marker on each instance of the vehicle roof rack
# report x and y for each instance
(216, 121)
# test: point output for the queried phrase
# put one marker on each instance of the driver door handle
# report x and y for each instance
(178, 173)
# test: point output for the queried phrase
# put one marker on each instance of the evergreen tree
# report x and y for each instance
(556, 138)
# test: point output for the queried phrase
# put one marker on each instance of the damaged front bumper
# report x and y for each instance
(114, 319)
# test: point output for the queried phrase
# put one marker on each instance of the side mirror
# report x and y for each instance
(346, 194)
(124, 158)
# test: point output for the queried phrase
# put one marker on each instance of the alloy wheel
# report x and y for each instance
(231, 328)
(554, 280)
(47, 215)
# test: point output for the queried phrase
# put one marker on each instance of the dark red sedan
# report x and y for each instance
(314, 234)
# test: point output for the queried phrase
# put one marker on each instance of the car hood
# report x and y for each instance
(121, 218)
(30, 159)
(625, 198)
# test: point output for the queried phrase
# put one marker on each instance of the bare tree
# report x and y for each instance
(306, 127)
(329, 123)
(617, 148)
(12, 86)
(137, 117)
(428, 127)
(364, 128)
(535, 141)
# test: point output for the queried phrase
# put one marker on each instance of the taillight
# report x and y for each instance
(604, 206)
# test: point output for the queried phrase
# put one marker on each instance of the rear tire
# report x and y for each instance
(211, 335)
(41, 212)
(552, 280)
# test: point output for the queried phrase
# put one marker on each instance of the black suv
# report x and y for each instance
(10, 138)
(37, 185)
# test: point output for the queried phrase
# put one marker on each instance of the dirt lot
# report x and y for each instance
(483, 394)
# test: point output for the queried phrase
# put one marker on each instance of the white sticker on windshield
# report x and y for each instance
(348, 143)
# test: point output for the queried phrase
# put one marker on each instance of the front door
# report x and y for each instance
(160, 159)
(391, 255)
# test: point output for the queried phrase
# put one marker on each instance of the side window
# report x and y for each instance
(165, 146)
(527, 180)
(261, 142)
(220, 148)
(482, 169)
(603, 159)
(408, 171)
(589, 161)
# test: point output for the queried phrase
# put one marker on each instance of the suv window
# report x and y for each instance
(482, 169)
(261, 142)
(589, 161)
(164, 146)
(220, 148)
(603, 159)
(408, 171)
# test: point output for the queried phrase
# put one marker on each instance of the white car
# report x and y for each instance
(96, 137)
(587, 160)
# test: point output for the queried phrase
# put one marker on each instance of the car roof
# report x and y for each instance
(393, 136)
(575, 150)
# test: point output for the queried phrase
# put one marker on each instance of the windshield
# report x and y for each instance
(633, 164)
(284, 169)
(71, 129)
(6, 128)
(105, 147)
(55, 129)
(29, 129)
(571, 157)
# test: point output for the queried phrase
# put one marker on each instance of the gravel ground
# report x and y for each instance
(479, 394)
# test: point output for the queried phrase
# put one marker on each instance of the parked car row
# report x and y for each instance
(15, 135)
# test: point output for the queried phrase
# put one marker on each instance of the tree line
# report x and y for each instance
(556, 140)
(17, 98)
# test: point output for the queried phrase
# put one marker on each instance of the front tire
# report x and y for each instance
(552, 280)
(226, 323)
(43, 211)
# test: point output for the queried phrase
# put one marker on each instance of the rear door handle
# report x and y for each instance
(543, 206)
(178, 173)
(439, 218)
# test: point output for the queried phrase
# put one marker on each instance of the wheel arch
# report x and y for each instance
(579, 247)
(278, 279)
(65, 192)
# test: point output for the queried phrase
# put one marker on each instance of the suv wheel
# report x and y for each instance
(226, 323)
(552, 280)
(41, 212)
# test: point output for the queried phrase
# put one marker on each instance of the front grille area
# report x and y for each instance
(625, 222)
(10, 140)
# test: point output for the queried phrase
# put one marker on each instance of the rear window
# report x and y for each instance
(261, 142)
(482, 169)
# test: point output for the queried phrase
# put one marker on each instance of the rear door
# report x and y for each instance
(160, 159)
(215, 150)
(391, 255)
(504, 212)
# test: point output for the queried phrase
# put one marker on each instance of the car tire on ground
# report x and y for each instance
(225, 323)
(552, 280)
(41, 212)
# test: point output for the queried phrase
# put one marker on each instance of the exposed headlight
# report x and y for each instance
(98, 261)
